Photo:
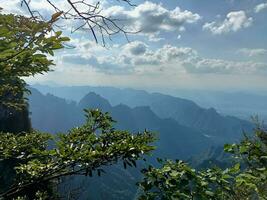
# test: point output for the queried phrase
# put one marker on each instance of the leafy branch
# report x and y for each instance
(81, 151)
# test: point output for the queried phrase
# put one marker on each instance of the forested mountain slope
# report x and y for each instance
(187, 113)
(53, 114)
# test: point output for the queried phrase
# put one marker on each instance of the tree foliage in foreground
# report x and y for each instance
(82, 151)
(247, 179)
(24, 46)
(33, 163)
(36, 167)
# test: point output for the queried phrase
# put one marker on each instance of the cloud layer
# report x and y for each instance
(234, 21)
(260, 7)
(253, 52)
(151, 19)
(174, 55)
(138, 57)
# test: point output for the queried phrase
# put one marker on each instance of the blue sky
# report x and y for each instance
(207, 44)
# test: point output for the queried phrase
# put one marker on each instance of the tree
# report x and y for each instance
(246, 179)
(24, 49)
(35, 168)
(24, 46)
(89, 16)
(82, 151)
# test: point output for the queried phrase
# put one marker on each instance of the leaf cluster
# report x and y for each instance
(82, 151)
(246, 179)
(24, 48)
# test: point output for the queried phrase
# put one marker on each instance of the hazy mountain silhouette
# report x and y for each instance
(185, 112)
(240, 104)
(54, 114)
(176, 141)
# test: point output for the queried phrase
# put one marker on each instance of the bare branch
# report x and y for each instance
(91, 18)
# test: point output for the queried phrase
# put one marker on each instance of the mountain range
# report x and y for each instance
(187, 113)
(184, 130)
(53, 114)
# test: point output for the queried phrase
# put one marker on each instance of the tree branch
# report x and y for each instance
(91, 17)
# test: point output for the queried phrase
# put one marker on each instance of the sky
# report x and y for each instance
(192, 44)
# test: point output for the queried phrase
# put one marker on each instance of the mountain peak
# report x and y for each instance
(93, 100)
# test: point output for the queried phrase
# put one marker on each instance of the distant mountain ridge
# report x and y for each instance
(50, 113)
(185, 112)
(54, 114)
(240, 104)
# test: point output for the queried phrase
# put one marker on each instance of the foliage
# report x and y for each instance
(82, 151)
(24, 46)
(38, 159)
(247, 179)
(33, 163)
(252, 153)
(176, 180)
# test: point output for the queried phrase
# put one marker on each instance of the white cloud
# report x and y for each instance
(154, 38)
(42, 6)
(84, 46)
(133, 57)
(88, 54)
(106, 65)
(260, 7)
(169, 53)
(11, 7)
(234, 21)
(219, 66)
(46, 10)
(151, 18)
(139, 59)
(148, 18)
(77, 59)
(178, 58)
(253, 52)
(137, 53)
(136, 48)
